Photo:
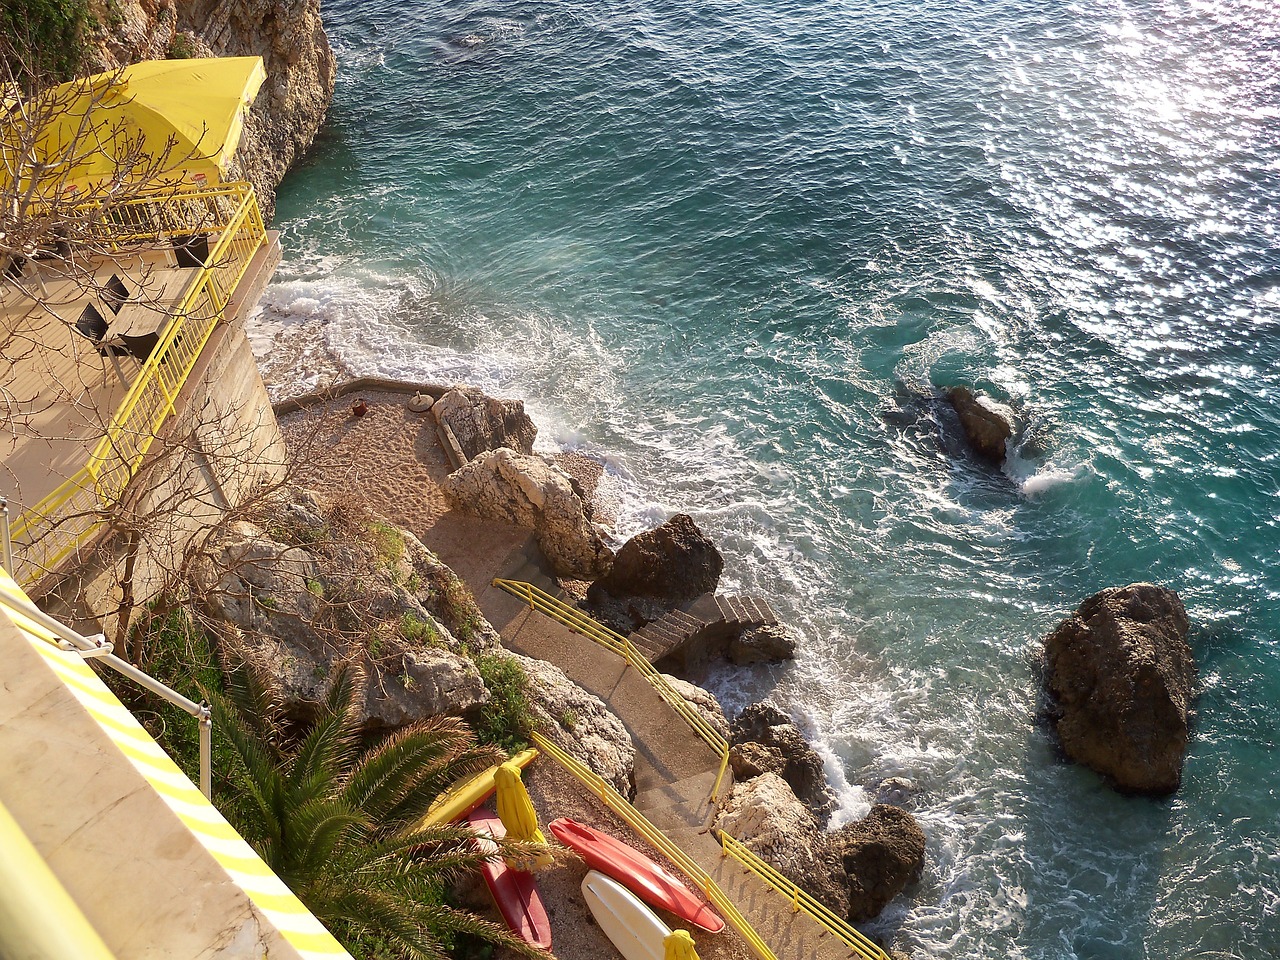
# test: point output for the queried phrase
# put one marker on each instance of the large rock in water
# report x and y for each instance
(881, 854)
(764, 740)
(1121, 678)
(481, 423)
(986, 428)
(673, 563)
(529, 492)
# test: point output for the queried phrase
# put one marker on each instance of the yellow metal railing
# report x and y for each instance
(56, 527)
(800, 900)
(580, 623)
(659, 841)
(62, 522)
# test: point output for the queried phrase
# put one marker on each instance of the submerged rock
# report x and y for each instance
(986, 428)
(1120, 678)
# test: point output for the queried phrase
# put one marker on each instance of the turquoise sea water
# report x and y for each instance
(731, 247)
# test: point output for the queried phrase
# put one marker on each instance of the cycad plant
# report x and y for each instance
(339, 822)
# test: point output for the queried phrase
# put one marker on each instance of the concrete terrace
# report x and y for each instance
(59, 390)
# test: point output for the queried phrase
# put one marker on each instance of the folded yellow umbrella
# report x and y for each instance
(516, 812)
(678, 945)
(93, 130)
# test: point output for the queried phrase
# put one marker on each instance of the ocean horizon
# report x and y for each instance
(736, 251)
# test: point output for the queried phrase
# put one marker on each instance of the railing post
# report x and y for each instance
(7, 538)
(205, 721)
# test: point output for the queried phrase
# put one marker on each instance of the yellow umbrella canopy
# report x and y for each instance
(516, 812)
(678, 945)
(174, 119)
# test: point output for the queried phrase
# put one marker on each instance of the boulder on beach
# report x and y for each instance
(1120, 679)
(528, 492)
(881, 854)
(481, 423)
(673, 563)
(985, 425)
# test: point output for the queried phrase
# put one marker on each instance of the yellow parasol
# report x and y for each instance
(83, 134)
(678, 945)
(516, 812)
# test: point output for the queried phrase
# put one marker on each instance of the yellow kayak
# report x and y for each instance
(462, 798)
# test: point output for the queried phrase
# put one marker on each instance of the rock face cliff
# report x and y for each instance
(287, 34)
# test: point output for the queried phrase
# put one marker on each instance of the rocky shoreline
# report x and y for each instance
(781, 801)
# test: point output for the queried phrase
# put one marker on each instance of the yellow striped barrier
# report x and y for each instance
(577, 621)
(800, 900)
(658, 840)
(38, 918)
(246, 869)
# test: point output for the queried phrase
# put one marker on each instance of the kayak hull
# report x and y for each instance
(653, 884)
(631, 926)
(514, 892)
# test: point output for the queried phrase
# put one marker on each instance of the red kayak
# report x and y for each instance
(651, 883)
(514, 891)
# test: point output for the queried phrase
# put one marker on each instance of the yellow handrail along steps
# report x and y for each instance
(580, 623)
(799, 900)
(637, 821)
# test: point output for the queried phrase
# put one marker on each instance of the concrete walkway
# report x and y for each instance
(674, 770)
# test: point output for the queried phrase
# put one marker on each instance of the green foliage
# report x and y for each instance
(169, 647)
(44, 38)
(459, 608)
(415, 630)
(339, 822)
(388, 542)
(507, 719)
(181, 48)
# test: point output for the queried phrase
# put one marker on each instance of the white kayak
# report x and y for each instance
(634, 929)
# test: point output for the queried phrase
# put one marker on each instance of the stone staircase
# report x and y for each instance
(674, 630)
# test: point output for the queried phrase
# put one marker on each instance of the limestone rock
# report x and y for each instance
(1121, 678)
(766, 817)
(984, 425)
(286, 610)
(579, 723)
(481, 423)
(527, 491)
(673, 563)
(779, 747)
(881, 855)
(896, 792)
(703, 701)
(763, 643)
(416, 683)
